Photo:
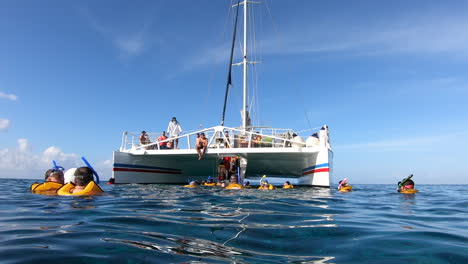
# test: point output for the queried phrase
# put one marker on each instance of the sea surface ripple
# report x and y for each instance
(170, 224)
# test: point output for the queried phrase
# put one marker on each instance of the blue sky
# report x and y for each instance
(389, 78)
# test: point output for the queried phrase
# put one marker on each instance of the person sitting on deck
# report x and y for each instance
(201, 145)
(83, 176)
(313, 140)
(226, 144)
(162, 145)
(257, 140)
(144, 138)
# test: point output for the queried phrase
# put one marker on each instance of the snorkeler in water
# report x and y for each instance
(343, 186)
(406, 185)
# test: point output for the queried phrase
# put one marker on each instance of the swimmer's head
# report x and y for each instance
(56, 176)
(47, 173)
(83, 176)
(194, 183)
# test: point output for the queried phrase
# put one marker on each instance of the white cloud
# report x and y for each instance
(424, 33)
(11, 97)
(23, 162)
(107, 164)
(129, 43)
(4, 124)
(421, 143)
(416, 34)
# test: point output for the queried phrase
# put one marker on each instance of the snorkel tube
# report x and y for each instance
(57, 167)
(89, 166)
(402, 182)
(342, 183)
(263, 179)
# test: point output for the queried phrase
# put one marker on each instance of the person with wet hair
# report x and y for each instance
(53, 175)
(83, 176)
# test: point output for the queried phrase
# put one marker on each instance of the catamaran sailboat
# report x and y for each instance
(280, 154)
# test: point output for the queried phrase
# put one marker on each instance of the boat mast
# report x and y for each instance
(244, 104)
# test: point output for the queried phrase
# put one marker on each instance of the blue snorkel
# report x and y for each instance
(89, 166)
(57, 167)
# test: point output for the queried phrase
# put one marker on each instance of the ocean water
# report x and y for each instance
(171, 224)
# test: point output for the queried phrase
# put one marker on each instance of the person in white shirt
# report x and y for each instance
(174, 130)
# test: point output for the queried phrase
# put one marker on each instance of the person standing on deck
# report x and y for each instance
(174, 130)
(162, 145)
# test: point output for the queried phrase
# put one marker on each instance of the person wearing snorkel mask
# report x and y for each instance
(53, 175)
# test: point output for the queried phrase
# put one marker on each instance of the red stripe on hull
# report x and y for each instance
(143, 170)
(317, 170)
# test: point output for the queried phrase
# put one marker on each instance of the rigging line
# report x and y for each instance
(229, 78)
(256, 70)
(275, 28)
(253, 58)
(212, 75)
(307, 118)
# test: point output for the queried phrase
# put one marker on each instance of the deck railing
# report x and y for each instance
(257, 137)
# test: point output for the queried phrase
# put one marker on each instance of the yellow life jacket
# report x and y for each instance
(234, 186)
(45, 188)
(290, 186)
(346, 188)
(270, 187)
(91, 189)
(210, 184)
(409, 191)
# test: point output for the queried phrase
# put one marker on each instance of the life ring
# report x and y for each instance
(91, 189)
(346, 188)
(45, 188)
(290, 186)
(234, 186)
(409, 191)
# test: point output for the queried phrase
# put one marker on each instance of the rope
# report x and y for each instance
(243, 226)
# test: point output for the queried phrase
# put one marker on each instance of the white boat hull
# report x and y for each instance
(300, 166)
